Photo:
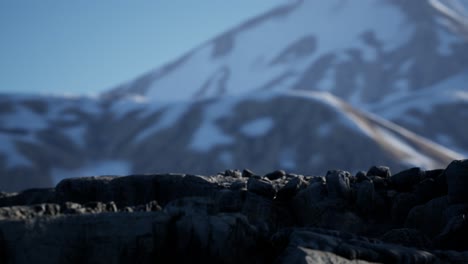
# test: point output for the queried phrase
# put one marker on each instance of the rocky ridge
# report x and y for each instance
(373, 216)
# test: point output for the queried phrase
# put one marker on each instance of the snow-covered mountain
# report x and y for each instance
(305, 87)
(403, 60)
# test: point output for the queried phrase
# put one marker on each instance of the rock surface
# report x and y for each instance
(235, 217)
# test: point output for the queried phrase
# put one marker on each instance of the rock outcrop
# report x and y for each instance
(242, 217)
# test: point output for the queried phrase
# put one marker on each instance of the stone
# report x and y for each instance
(365, 197)
(261, 187)
(457, 181)
(351, 248)
(291, 188)
(381, 171)
(401, 206)
(338, 184)
(246, 173)
(433, 210)
(233, 173)
(361, 176)
(305, 204)
(226, 219)
(455, 234)
(425, 190)
(84, 189)
(407, 237)
(379, 182)
(405, 180)
(275, 175)
(433, 174)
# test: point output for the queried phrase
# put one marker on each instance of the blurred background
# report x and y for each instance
(117, 88)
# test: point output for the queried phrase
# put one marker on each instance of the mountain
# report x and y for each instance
(307, 86)
(342, 47)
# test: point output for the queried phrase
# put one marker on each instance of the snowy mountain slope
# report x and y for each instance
(301, 131)
(371, 54)
(360, 51)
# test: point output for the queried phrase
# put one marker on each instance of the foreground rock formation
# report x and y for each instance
(413, 216)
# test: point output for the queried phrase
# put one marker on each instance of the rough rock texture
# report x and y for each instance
(241, 217)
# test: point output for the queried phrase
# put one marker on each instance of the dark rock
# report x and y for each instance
(457, 181)
(291, 188)
(405, 180)
(454, 235)
(275, 175)
(311, 207)
(365, 197)
(433, 174)
(361, 176)
(230, 200)
(29, 197)
(381, 171)
(85, 189)
(401, 206)
(225, 218)
(307, 244)
(4, 258)
(455, 210)
(246, 173)
(261, 187)
(304, 204)
(239, 185)
(418, 217)
(425, 190)
(233, 173)
(407, 237)
(215, 239)
(379, 182)
(441, 183)
(338, 184)
(141, 189)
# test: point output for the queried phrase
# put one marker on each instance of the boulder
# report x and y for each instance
(381, 171)
(291, 188)
(338, 184)
(365, 197)
(457, 181)
(428, 218)
(275, 175)
(455, 234)
(405, 180)
(407, 237)
(401, 206)
(262, 187)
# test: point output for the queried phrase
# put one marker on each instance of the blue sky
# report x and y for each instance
(85, 47)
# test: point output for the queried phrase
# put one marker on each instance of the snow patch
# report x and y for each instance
(258, 127)
(77, 135)
(23, 118)
(450, 90)
(255, 46)
(12, 155)
(208, 134)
